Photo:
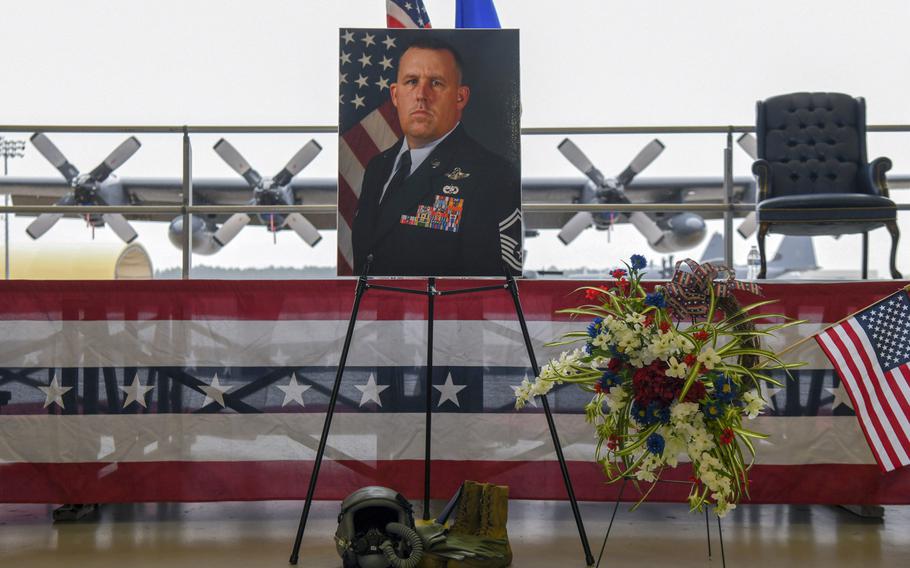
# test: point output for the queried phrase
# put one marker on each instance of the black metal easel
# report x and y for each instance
(622, 487)
(431, 292)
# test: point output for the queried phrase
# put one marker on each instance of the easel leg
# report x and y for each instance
(361, 289)
(589, 558)
(612, 517)
(431, 296)
(723, 557)
(708, 532)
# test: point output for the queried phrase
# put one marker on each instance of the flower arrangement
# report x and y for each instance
(661, 389)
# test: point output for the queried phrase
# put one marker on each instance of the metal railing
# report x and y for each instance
(187, 209)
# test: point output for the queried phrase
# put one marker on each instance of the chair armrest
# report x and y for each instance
(875, 176)
(761, 169)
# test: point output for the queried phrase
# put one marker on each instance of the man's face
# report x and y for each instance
(428, 95)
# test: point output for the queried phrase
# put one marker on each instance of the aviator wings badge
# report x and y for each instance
(457, 174)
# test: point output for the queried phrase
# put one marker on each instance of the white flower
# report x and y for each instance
(709, 358)
(755, 404)
(677, 368)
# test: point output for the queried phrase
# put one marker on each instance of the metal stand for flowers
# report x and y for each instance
(720, 531)
(431, 292)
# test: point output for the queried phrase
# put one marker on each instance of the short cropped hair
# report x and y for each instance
(436, 44)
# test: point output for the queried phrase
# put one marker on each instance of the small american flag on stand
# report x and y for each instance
(871, 352)
(406, 14)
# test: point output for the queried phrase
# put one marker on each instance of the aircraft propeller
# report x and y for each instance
(269, 191)
(87, 189)
(607, 190)
(748, 143)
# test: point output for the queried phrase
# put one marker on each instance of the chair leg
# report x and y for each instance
(895, 236)
(762, 233)
(865, 271)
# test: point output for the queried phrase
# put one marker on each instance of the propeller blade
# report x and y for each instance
(644, 158)
(574, 154)
(304, 228)
(747, 228)
(300, 160)
(47, 149)
(120, 226)
(233, 158)
(230, 228)
(578, 223)
(748, 143)
(647, 227)
(115, 159)
(42, 224)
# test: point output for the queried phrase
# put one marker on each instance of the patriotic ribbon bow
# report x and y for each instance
(688, 293)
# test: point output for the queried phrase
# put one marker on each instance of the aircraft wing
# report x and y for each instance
(169, 191)
(689, 190)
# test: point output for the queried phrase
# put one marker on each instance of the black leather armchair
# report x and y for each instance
(813, 174)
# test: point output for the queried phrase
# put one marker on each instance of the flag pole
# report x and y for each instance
(790, 348)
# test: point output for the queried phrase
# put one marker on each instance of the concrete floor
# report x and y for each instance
(543, 534)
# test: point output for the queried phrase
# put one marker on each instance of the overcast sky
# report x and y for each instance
(584, 63)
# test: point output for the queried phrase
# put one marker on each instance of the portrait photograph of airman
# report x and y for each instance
(429, 153)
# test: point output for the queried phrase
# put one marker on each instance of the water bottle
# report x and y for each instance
(753, 263)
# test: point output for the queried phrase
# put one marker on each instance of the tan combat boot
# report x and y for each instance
(491, 535)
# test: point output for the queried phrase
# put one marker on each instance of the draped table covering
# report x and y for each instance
(217, 390)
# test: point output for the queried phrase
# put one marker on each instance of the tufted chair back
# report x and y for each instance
(815, 143)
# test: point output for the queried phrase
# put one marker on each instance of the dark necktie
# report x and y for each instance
(404, 169)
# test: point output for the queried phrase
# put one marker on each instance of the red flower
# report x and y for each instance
(618, 273)
(696, 392)
(664, 326)
(591, 294)
(690, 359)
(623, 283)
(700, 335)
(613, 442)
(649, 320)
(597, 388)
(726, 437)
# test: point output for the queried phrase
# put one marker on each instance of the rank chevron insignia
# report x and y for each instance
(510, 248)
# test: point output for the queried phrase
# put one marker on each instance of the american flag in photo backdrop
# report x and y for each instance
(406, 14)
(871, 352)
(366, 117)
(217, 390)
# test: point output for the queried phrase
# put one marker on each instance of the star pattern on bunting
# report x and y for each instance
(214, 392)
(531, 401)
(448, 392)
(370, 391)
(293, 391)
(53, 393)
(135, 392)
(840, 396)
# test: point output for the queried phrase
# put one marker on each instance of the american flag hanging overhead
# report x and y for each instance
(871, 352)
(407, 14)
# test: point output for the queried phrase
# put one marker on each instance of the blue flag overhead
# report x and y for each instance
(476, 14)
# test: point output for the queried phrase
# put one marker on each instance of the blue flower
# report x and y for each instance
(656, 299)
(656, 444)
(589, 348)
(610, 380)
(724, 389)
(638, 262)
(594, 327)
(640, 413)
(661, 412)
(713, 410)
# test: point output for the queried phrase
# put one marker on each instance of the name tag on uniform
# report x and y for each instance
(443, 215)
